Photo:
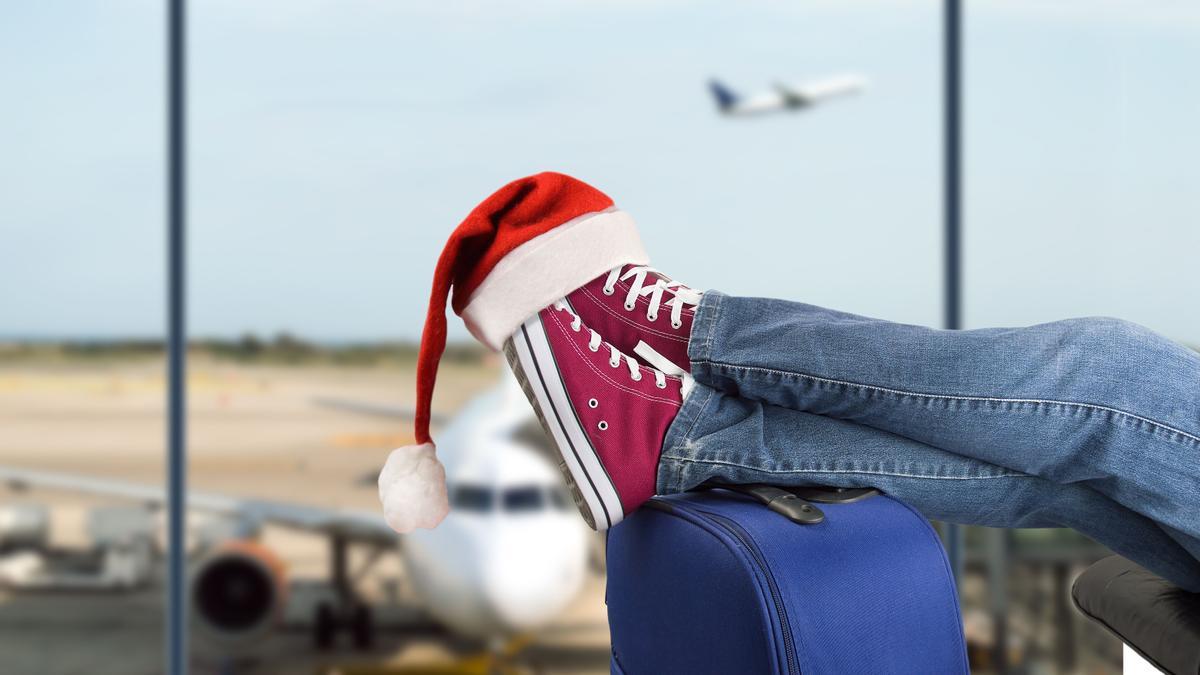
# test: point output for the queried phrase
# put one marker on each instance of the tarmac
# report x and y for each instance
(254, 431)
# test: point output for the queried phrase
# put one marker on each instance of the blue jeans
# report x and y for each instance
(1092, 424)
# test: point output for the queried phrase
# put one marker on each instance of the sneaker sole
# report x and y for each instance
(529, 355)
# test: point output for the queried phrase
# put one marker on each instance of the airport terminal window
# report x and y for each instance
(81, 333)
(1081, 200)
(1086, 121)
(1079, 152)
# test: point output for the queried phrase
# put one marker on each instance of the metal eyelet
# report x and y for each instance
(592, 403)
(593, 349)
(660, 385)
(676, 324)
(602, 426)
(608, 291)
(652, 317)
(637, 377)
(629, 306)
(614, 364)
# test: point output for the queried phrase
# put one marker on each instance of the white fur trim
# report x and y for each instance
(547, 268)
(412, 488)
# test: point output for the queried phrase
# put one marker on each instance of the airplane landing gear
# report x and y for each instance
(362, 627)
(357, 620)
(348, 612)
(324, 626)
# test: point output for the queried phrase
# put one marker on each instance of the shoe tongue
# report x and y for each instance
(686, 294)
(651, 277)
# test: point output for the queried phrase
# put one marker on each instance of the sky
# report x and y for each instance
(335, 145)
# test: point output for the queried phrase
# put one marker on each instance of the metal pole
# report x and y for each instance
(952, 209)
(177, 611)
(953, 166)
(998, 547)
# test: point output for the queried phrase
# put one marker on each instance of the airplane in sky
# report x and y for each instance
(784, 97)
(509, 557)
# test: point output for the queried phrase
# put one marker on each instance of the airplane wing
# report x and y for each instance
(361, 526)
(794, 96)
(374, 409)
(810, 93)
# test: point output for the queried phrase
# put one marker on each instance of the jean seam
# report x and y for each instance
(1195, 440)
(696, 418)
(841, 471)
(704, 323)
(687, 434)
(712, 326)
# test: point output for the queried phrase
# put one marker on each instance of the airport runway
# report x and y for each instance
(120, 634)
(254, 432)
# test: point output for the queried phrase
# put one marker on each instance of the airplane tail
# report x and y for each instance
(725, 97)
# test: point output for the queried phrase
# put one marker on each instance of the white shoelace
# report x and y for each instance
(680, 295)
(615, 356)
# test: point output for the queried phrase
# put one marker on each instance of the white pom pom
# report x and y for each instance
(412, 488)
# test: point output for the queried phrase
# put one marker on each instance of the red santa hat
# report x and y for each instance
(532, 242)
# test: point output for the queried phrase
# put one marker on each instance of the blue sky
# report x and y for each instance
(336, 144)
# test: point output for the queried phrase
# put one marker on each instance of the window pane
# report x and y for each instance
(81, 328)
(518, 500)
(1083, 191)
(472, 498)
(1082, 200)
(338, 144)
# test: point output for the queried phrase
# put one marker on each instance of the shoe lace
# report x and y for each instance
(615, 356)
(681, 295)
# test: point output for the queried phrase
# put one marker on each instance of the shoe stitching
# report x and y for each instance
(984, 399)
(604, 375)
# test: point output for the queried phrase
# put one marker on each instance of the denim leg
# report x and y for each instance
(738, 440)
(1099, 403)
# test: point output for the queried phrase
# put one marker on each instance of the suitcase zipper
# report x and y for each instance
(739, 533)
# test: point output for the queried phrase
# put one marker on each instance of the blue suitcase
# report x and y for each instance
(760, 581)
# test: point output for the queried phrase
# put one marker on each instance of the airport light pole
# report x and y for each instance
(997, 539)
(176, 610)
(952, 207)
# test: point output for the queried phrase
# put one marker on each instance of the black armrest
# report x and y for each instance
(1156, 618)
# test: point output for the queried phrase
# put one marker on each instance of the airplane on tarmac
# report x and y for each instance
(509, 557)
(785, 97)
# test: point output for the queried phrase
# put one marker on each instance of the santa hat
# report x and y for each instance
(532, 242)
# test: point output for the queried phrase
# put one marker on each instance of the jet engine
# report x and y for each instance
(24, 526)
(238, 592)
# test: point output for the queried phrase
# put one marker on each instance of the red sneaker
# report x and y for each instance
(641, 311)
(607, 414)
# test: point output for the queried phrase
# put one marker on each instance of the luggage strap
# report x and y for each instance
(795, 503)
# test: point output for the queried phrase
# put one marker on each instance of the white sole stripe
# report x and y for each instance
(583, 483)
(594, 472)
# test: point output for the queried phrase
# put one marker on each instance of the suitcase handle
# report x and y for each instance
(834, 495)
(786, 504)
